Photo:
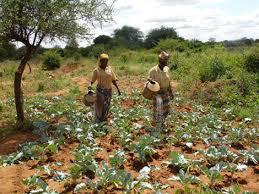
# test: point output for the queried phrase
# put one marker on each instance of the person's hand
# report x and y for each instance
(171, 94)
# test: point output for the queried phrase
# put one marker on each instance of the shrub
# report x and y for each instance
(76, 56)
(51, 60)
(172, 45)
(124, 58)
(3, 54)
(40, 87)
(147, 58)
(96, 50)
(252, 61)
(214, 70)
(246, 83)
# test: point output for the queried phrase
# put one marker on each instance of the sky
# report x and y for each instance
(192, 19)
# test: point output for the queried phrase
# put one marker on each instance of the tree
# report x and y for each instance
(212, 40)
(72, 43)
(32, 21)
(102, 39)
(71, 47)
(129, 37)
(155, 35)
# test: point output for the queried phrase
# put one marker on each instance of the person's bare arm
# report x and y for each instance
(171, 93)
(117, 87)
(94, 78)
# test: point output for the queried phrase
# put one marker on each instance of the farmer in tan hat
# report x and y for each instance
(161, 107)
(105, 77)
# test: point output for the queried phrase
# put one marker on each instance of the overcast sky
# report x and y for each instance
(199, 19)
(192, 19)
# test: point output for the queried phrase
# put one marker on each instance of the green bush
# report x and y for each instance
(96, 50)
(147, 58)
(246, 83)
(40, 87)
(127, 56)
(212, 71)
(3, 54)
(252, 61)
(172, 45)
(51, 60)
(76, 56)
(124, 58)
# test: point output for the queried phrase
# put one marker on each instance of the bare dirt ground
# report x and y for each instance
(11, 176)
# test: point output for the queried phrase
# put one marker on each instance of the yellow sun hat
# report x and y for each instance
(104, 56)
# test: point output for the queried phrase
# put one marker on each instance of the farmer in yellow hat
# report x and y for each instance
(105, 77)
(161, 107)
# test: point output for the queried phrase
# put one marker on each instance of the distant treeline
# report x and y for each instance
(130, 38)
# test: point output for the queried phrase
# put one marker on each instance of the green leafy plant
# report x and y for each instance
(144, 148)
(37, 185)
(214, 155)
(109, 176)
(214, 70)
(178, 160)
(57, 175)
(118, 159)
(84, 162)
(214, 173)
(252, 61)
(251, 155)
(51, 60)
(185, 179)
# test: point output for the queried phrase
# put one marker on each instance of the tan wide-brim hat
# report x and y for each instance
(164, 55)
(153, 86)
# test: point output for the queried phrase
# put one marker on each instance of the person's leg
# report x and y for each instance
(158, 111)
(106, 104)
(99, 106)
(166, 108)
(154, 116)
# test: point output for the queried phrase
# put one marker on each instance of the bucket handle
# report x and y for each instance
(151, 81)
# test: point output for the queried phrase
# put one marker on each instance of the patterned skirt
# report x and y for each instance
(102, 104)
(161, 108)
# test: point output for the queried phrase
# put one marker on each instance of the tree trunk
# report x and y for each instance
(18, 90)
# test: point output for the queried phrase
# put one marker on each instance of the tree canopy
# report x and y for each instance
(32, 21)
(157, 34)
(129, 37)
(102, 39)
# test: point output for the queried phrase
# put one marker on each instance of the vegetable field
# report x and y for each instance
(204, 149)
